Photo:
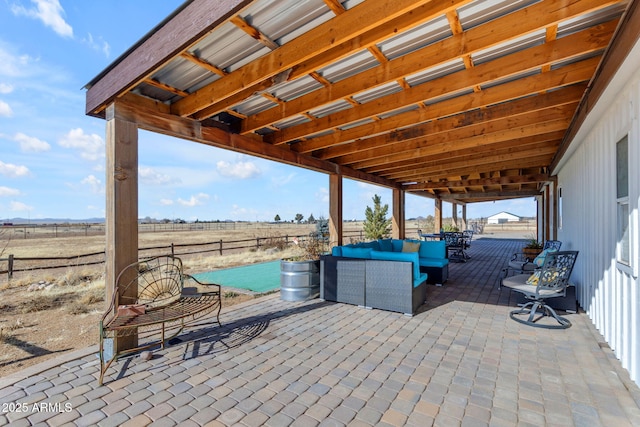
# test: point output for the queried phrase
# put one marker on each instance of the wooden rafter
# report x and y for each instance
(480, 112)
(460, 45)
(342, 28)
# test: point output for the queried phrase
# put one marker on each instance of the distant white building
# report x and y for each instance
(502, 217)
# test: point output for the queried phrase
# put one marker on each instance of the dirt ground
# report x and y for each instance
(38, 325)
(63, 316)
(35, 326)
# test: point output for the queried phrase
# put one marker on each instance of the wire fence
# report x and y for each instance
(12, 264)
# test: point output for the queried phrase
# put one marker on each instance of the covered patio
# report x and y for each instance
(460, 361)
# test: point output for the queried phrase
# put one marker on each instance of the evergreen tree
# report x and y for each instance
(376, 225)
(299, 218)
(311, 219)
(277, 218)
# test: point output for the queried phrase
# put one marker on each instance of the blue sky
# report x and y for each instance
(52, 162)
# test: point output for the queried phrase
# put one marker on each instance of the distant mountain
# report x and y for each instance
(21, 221)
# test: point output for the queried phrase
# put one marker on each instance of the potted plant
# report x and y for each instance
(532, 248)
(300, 274)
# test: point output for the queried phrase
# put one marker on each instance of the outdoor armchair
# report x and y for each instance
(550, 281)
(521, 263)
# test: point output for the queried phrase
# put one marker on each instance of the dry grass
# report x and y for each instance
(35, 326)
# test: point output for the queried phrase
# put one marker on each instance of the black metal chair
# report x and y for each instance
(521, 263)
(550, 281)
(455, 246)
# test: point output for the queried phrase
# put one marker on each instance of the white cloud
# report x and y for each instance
(94, 183)
(49, 12)
(13, 171)
(5, 88)
(196, 200)
(19, 206)
(99, 45)
(166, 202)
(323, 195)
(91, 146)
(238, 170)
(151, 176)
(8, 192)
(281, 181)
(30, 143)
(5, 109)
(14, 66)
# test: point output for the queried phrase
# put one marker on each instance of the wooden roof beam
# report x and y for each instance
(468, 143)
(531, 162)
(489, 195)
(544, 141)
(342, 28)
(501, 68)
(498, 109)
(501, 180)
(156, 117)
(472, 161)
(382, 149)
(475, 39)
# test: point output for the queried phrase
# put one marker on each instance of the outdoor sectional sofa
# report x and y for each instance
(380, 274)
(432, 255)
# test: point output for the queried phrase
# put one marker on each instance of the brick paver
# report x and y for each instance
(459, 361)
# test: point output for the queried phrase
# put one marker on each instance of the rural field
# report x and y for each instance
(36, 325)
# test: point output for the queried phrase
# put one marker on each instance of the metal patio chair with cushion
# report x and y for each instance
(467, 235)
(550, 281)
(455, 246)
(521, 263)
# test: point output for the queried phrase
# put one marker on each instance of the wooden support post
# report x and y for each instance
(454, 214)
(335, 210)
(438, 215)
(464, 218)
(121, 204)
(397, 220)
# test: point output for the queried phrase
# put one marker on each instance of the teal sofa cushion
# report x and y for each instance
(372, 244)
(411, 257)
(385, 245)
(336, 251)
(433, 249)
(396, 245)
(350, 252)
(434, 262)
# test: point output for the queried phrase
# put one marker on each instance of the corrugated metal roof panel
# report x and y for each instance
(416, 38)
(587, 20)
(511, 46)
(295, 88)
(508, 79)
(435, 72)
(284, 20)
(481, 11)
(327, 109)
(356, 124)
(254, 105)
(448, 96)
(185, 75)
(153, 92)
(377, 92)
(229, 48)
(398, 111)
(291, 121)
(348, 67)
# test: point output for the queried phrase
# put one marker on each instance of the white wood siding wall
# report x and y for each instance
(608, 293)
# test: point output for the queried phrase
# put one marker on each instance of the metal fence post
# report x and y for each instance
(10, 266)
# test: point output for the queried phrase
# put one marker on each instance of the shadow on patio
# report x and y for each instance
(459, 361)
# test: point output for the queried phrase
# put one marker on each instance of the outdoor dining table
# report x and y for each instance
(431, 236)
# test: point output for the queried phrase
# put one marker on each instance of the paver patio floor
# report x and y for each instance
(460, 361)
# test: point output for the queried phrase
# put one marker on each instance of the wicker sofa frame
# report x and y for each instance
(380, 284)
(152, 298)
